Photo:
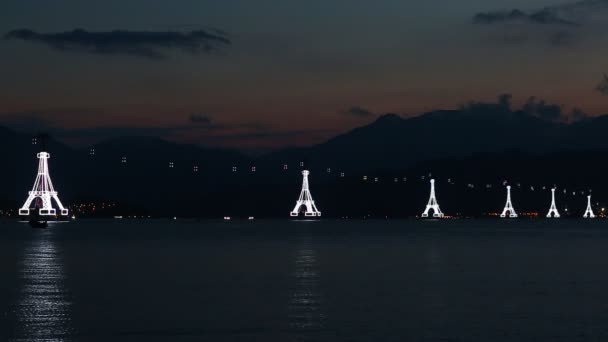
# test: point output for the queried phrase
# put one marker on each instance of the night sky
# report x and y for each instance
(270, 74)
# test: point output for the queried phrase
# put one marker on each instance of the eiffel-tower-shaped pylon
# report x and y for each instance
(553, 213)
(43, 192)
(305, 202)
(589, 212)
(432, 205)
(508, 210)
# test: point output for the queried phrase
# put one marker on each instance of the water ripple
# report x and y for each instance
(305, 302)
(43, 310)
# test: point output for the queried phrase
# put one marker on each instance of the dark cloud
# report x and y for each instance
(200, 119)
(206, 122)
(533, 106)
(545, 16)
(358, 112)
(504, 101)
(272, 134)
(147, 44)
(577, 115)
(49, 118)
(503, 105)
(559, 25)
(602, 87)
(53, 121)
(543, 110)
(199, 128)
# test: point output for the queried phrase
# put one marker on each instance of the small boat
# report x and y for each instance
(38, 224)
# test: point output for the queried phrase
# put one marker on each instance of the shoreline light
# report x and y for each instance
(553, 213)
(508, 206)
(305, 200)
(43, 189)
(432, 205)
(589, 211)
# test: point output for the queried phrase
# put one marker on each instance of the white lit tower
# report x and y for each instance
(43, 192)
(589, 212)
(553, 213)
(432, 205)
(305, 202)
(508, 210)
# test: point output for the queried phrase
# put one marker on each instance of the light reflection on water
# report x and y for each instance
(306, 300)
(42, 312)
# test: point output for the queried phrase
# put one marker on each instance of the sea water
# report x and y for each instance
(282, 280)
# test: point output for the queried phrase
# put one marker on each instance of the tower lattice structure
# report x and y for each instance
(553, 213)
(305, 202)
(508, 211)
(43, 192)
(432, 205)
(589, 211)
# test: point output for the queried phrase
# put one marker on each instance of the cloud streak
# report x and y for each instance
(358, 112)
(196, 128)
(148, 44)
(558, 25)
(544, 17)
(602, 87)
(200, 119)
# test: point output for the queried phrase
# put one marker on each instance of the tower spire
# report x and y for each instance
(589, 212)
(305, 202)
(43, 192)
(553, 213)
(508, 206)
(432, 205)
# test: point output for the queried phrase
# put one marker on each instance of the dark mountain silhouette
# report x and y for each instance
(392, 141)
(386, 167)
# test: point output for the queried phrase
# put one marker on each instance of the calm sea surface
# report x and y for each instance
(468, 280)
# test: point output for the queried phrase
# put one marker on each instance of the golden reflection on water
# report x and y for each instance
(306, 300)
(43, 310)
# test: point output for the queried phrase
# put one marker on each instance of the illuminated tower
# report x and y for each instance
(589, 212)
(43, 192)
(432, 203)
(553, 213)
(509, 206)
(305, 201)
